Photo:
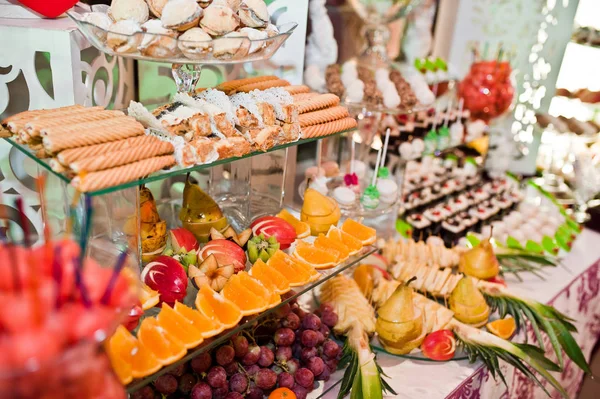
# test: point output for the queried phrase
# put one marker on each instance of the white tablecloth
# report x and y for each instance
(459, 379)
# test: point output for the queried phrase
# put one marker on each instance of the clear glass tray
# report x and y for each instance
(174, 171)
(417, 354)
(164, 48)
(251, 320)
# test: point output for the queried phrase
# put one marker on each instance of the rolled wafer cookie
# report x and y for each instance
(323, 116)
(83, 128)
(234, 84)
(34, 127)
(325, 129)
(319, 102)
(15, 126)
(123, 157)
(262, 85)
(303, 96)
(300, 89)
(36, 113)
(100, 135)
(122, 174)
(69, 156)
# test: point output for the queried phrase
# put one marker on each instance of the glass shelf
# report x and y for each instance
(247, 322)
(417, 354)
(175, 171)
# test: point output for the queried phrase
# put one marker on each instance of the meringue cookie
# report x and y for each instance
(272, 30)
(181, 14)
(476, 129)
(344, 196)
(124, 36)
(99, 19)
(219, 19)
(253, 13)
(233, 44)
(156, 6)
(195, 43)
(258, 38)
(135, 10)
(406, 150)
(158, 41)
(418, 146)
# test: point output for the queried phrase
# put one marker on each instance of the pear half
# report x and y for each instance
(468, 304)
(400, 324)
(480, 261)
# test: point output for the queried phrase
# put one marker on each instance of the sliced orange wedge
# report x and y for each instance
(165, 347)
(316, 257)
(269, 275)
(260, 289)
(366, 235)
(503, 328)
(207, 327)
(353, 244)
(296, 277)
(179, 327)
(248, 302)
(299, 264)
(328, 244)
(302, 228)
(128, 349)
(216, 307)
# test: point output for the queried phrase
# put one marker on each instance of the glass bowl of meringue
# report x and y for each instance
(184, 31)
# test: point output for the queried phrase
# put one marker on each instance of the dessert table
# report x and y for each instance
(572, 288)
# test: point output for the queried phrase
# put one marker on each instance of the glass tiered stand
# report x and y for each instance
(244, 188)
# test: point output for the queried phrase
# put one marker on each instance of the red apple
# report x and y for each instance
(133, 317)
(274, 226)
(183, 241)
(226, 252)
(439, 345)
(166, 276)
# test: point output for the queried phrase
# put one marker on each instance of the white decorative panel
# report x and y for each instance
(48, 64)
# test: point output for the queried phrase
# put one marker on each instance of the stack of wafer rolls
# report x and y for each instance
(321, 115)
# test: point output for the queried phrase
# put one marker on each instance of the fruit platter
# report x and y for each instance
(204, 283)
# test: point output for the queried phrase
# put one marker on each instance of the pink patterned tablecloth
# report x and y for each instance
(572, 288)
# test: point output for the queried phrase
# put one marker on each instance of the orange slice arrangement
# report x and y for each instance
(330, 245)
(295, 271)
(260, 289)
(217, 308)
(366, 235)
(207, 327)
(353, 244)
(164, 339)
(179, 327)
(302, 228)
(270, 277)
(318, 258)
(248, 302)
(165, 347)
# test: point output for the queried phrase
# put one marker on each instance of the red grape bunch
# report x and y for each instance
(294, 352)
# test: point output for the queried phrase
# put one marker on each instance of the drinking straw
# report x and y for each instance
(41, 185)
(83, 247)
(113, 278)
(57, 275)
(486, 45)
(72, 212)
(376, 167)
(385, 147)
(23, 221)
